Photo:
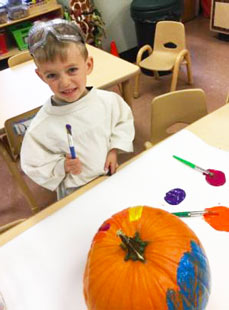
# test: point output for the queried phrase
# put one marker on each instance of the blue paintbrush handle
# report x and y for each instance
(73, 152)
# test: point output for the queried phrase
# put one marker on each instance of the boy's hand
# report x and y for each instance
(73, 166)
(111, 163)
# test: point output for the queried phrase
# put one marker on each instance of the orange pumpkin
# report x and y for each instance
(144, 258)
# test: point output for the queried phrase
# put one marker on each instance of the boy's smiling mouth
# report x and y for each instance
(68, 91)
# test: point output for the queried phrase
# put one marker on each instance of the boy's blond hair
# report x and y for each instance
(53, 47)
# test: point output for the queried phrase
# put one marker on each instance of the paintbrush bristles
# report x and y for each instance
(69, 129)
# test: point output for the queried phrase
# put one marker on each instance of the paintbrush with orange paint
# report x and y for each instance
(217, 217)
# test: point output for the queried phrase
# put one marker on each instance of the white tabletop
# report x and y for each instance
(42, 268)
(22, 90)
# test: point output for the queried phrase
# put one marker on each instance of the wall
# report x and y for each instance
(65, 3)
(119, 24)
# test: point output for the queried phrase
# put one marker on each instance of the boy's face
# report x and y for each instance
(67, 79)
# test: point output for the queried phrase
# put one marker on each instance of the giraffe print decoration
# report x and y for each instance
(88, 18)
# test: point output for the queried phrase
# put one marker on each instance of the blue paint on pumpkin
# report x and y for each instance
(193, 279)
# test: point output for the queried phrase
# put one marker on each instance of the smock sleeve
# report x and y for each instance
(40, 164)
(122, 132)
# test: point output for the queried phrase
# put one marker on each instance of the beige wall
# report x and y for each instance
(119, 24)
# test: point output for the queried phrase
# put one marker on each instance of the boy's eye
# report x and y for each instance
(72, 70)
(51, 76)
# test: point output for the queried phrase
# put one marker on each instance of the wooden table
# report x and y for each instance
(21, 89)
(42, 260)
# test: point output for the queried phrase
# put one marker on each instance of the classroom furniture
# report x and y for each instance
(206, 8)
(22, 90)
(175, 110)
(169, 53)
(19, 58)
(147, 13)
(190, 10)
(43, 258)
(219, 19)
(227, 100)
(45, 10)
(10, 225)
(10, 146)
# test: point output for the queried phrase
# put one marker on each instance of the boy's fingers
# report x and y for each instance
(111, 169)
(76, 170)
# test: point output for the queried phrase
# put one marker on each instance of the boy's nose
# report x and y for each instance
(64, 80)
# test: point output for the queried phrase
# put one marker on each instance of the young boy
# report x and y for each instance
(101, 121)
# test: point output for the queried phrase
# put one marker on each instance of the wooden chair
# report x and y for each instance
(10, 146)
(19, 58)
(227, 99)
(7, 226)
(173, 111)
(168, 54)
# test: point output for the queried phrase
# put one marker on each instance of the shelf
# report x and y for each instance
(36, 11)
(12, 51)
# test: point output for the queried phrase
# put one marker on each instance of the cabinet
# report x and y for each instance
(50, 10)
(219, 20)
(191, 10)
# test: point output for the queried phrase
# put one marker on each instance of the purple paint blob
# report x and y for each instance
(175, 196)
(105, 227)
(217, 179)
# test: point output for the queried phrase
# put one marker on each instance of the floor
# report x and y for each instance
(210, 67)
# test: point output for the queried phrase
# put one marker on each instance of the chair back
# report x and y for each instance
(19, 58)
(15, 129)
(10, 225)
(169, 37)
(227, 99)
(177, 107)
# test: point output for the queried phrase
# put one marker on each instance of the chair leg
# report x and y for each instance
(148, 145)
(18, 178)
(136, 85)
(156, 75)
(120, 89)
(175, 77)
(189, 69)
(126, 92)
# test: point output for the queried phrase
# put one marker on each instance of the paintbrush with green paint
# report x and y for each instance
(193, 166)
(194, 213)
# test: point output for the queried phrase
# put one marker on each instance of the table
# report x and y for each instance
(42, 260)
(22, 90)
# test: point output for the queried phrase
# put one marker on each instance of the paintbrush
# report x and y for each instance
(70, 141)
(193, 166)
(194, 213)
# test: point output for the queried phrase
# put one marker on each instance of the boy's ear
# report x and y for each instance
(90, 64)
(39, 74)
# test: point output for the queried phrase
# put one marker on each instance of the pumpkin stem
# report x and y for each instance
(133, 245)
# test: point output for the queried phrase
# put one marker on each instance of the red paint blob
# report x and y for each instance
(104, 227)
(218, 218)
(217, 179)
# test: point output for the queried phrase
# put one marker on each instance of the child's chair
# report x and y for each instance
(227, 99)
(169, 53)
(173, 111)
(19, 58)
(10, 146)
(10, 225)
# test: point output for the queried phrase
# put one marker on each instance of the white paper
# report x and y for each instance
(43, 267)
